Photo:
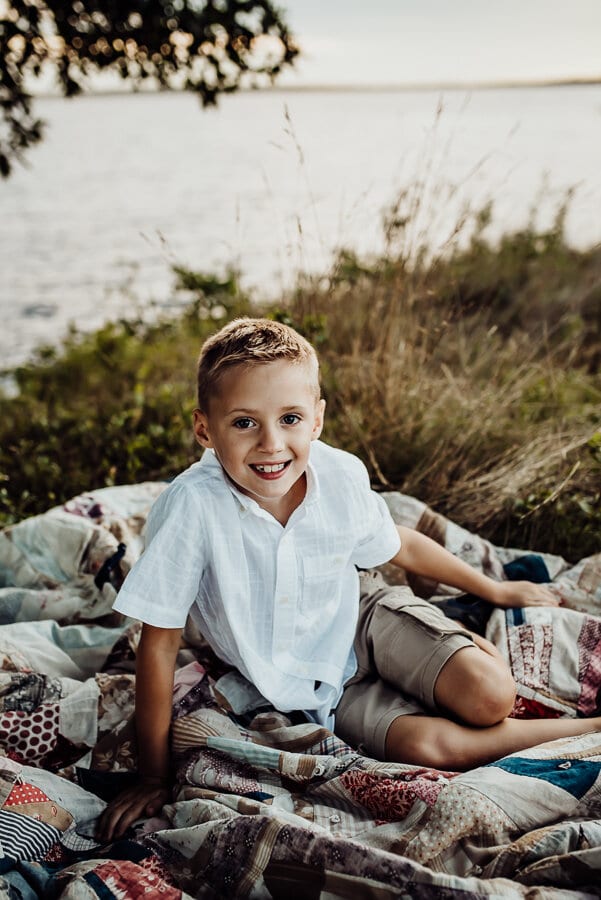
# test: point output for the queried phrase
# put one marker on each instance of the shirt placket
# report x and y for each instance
(285, 603)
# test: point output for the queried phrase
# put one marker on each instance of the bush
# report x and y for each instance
(470, 380)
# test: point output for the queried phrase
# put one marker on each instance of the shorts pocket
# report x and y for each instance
(411, 640)
(403, 601)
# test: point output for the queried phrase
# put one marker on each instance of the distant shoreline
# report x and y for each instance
(437, 86)
(353, 88)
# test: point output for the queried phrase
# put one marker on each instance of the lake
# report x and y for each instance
(124, 186)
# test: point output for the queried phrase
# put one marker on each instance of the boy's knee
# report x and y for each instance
(476, 688)
(493, 698)
(412, 740)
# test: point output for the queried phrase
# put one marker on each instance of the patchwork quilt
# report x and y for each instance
(266, 804)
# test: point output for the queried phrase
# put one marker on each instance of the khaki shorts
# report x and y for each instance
(401, 643)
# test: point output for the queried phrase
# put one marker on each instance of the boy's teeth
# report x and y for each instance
(277, 468)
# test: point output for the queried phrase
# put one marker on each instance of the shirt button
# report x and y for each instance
(335, 819)
(284, 600)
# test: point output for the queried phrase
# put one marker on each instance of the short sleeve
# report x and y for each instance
(163, 584)
(379, 538)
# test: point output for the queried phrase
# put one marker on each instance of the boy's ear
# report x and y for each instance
(318, 424)
(201, 429)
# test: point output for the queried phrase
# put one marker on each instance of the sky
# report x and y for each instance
(354, 42)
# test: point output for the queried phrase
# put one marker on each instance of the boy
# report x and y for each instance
(260, 542)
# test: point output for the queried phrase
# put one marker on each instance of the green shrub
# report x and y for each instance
(470, 380)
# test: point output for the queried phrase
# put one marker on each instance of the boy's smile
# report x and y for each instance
(269, 471)
(260, 423)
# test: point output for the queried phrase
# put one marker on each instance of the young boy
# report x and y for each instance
(261, 542)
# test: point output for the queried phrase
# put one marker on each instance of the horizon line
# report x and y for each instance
(438, 85)
(349, 88)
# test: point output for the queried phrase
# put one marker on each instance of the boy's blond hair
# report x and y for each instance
(250, 342)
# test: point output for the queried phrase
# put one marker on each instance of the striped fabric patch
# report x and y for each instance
(25, 838)
(514, 616)
(253, 754)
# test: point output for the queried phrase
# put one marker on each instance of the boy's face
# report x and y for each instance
(260, 423)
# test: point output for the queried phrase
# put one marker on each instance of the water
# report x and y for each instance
(124, 186)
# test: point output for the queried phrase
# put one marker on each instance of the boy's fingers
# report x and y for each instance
(528, 594)
(157, 802)
(153, 807)
(121, 813)
(119, 822)
(544, 598)
(110, 824)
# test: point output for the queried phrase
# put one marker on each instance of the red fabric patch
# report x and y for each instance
(392, 798)
(154, 865)
(523, 708)
(58, 854)
(25, 793)
(589, 668)
(12, 754)
(127, 879)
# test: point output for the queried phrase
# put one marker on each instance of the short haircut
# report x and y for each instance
(249, 342)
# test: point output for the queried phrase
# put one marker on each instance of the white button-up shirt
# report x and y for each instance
(280, 603)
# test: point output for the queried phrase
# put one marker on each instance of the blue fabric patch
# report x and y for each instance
(258, 795)
(530, 567)
(577, 778)
(99, 886)
(515, 616)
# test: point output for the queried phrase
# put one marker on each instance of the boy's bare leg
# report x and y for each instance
(477, 688)
(443, 744)
(476, 685)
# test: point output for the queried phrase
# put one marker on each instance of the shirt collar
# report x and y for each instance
(312, 495)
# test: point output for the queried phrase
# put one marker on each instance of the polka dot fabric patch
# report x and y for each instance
(25, 793)
(31, 735)
(460, 813)
(30, 801)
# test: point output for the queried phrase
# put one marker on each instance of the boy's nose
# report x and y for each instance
(270, 440)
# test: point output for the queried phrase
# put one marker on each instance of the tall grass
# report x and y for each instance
(470, 379)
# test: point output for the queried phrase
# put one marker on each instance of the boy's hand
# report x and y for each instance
(143, 799)
(422, 555)
(522, 593)
(155, 664)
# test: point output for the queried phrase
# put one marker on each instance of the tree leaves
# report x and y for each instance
(210, 48)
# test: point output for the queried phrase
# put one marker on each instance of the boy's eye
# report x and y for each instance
(290, 419)
(243, 423)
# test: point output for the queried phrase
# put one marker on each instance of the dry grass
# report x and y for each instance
(470, 380)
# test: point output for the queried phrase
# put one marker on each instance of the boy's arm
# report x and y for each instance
(155, 667)
(423, 556)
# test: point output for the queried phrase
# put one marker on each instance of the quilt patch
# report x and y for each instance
(530, 653)
(576, 776)
(589, 668)
(267, 804)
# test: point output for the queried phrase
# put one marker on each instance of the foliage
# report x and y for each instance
(211, 47)
(113, 406)
(470, 380)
